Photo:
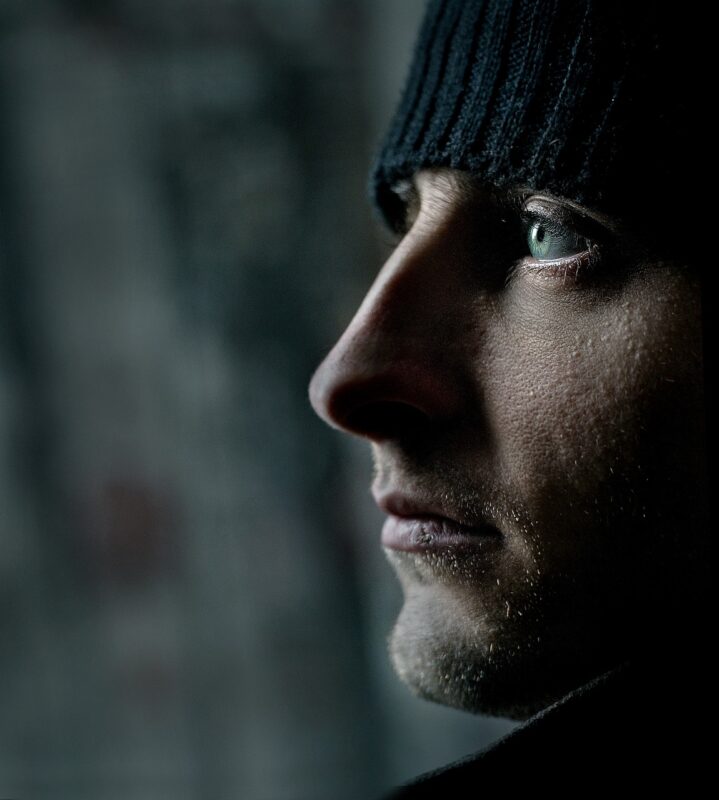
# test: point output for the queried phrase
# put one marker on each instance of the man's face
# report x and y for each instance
(531, 381)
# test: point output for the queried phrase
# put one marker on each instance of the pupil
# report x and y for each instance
(540, 234)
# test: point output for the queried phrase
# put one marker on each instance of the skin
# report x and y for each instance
(558, 404)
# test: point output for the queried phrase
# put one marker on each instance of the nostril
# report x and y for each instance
(386, 419)
(389, 401)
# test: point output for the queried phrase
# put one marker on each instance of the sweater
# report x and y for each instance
(635, 727)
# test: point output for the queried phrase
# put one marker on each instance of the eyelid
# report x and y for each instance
(561, 218)
(561, 215)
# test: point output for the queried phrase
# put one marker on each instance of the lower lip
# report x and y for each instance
(434, 534)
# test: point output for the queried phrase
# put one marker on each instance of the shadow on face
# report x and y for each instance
(530, 378)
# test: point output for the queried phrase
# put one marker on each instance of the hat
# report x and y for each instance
(604, 103)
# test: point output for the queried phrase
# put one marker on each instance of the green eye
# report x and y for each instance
(548, 242)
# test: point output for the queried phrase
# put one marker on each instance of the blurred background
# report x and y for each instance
(193, 600)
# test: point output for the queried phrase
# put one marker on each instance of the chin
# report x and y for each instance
(442, 653)
(455, 675)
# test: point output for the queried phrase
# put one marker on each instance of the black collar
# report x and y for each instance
(633, 726)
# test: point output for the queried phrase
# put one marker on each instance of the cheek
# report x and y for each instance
(561, 416)
(577, 395)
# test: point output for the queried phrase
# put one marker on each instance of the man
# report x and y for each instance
(528, 369)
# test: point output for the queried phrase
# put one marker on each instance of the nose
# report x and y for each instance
(393, 371)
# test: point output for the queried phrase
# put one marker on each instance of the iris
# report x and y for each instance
(547, 241)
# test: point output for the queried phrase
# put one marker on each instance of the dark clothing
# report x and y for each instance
(629, 728)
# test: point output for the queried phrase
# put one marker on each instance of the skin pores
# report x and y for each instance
(558, 407)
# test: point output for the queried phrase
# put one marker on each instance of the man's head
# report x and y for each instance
(528, 370)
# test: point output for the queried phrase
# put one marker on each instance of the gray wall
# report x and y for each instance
(193, 601)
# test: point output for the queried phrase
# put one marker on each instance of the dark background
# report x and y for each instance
(193, 600)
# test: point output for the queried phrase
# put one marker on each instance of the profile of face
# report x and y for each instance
(529, 376)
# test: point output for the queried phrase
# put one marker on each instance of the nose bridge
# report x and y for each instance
(405, 308)
(392, 356)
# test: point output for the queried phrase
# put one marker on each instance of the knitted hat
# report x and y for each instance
(599, 101)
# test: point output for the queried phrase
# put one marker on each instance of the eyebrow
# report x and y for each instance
(463, 187)
(468, 187)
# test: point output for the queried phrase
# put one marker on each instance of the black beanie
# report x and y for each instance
(604, 103)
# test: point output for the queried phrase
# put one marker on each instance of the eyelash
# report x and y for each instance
(572, 267)
(568, 267)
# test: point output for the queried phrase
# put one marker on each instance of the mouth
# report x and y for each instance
(418, 526)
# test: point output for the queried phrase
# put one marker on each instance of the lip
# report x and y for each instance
(418, 526)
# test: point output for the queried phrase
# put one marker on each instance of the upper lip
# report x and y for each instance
(401, 504)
